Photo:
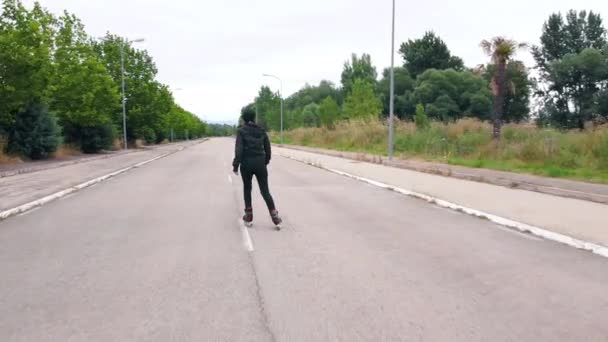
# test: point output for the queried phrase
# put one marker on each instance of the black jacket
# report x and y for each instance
(251, 142)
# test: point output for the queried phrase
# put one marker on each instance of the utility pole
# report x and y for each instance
(391, 124)
(123, 85)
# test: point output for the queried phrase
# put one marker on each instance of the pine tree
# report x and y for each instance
(36, 134)
(362, 102)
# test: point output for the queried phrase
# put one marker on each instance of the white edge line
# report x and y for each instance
(28, 212)
(42, 201)
(523, 227)
(246, 237)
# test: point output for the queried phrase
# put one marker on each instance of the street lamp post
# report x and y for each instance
(123, 86)
(391, 125)
(281, 95)
(124, 94)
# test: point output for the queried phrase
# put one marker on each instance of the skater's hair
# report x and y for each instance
(248, 114)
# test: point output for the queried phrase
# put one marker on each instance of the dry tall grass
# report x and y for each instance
(577, 154)
(67, 151)
(6, 158)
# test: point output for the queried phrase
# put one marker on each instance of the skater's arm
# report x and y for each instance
(267, 149)
(238, 152)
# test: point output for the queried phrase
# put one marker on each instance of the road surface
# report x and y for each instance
(159, 254)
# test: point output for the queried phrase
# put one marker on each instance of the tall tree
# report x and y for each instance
(358, 69)
(501, 50)
(83, 93)
(602, 104)
(329, 112)
(141, 88)
(310, 115)
(580, 30)
(519, 88)
(450, 95)
(404, 85)
(184, 124)
(561, 37)
(362, 102)
(26, 67)
(52, 62)
(35, 133)
(428, 52)
(583, 79)
(268, 107)
(314, 94)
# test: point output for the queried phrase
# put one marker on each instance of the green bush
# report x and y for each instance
(531, 151)
(421, 119)
(567, 159)
(35, 134)
(555, 171)
(469, 143)
(514, 134)
(91, 139)
(601, 152)
(147, 134)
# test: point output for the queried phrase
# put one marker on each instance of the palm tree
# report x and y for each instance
(502, 51)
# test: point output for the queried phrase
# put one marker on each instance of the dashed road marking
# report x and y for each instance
(246, 237)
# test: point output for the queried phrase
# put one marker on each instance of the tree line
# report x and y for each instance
(569, 91)
(58, 84)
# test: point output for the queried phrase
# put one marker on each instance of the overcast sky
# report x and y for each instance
(216, 51)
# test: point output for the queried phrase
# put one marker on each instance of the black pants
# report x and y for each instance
(256, 167)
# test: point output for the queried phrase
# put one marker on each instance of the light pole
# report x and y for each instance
(124, 94)
(281, 95)
(122, 81)
(391, 124)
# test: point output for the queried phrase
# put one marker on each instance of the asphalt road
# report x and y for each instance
(158, 254)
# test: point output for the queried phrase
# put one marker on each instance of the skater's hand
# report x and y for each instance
(236, 172)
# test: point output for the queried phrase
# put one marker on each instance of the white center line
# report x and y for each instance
(246, 237)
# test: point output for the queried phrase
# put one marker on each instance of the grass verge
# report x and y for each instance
(580, 155)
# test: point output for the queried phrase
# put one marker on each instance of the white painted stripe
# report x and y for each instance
(519, 233)
(546, 234)
(229, 179)
(42, 201)
(246, 237)
(70, 195)
(29, 212)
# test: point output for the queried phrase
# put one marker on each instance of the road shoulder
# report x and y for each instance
(571, 220)
(592, 192)
(24, 192)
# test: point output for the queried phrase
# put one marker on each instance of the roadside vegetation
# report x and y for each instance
(59, 85)
(220, 130)
(495, 115)
(524, 148)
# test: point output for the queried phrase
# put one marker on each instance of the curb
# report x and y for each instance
(458, 174)
(56, 165)
(32, 169)
(60, 194)
(511, 224)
